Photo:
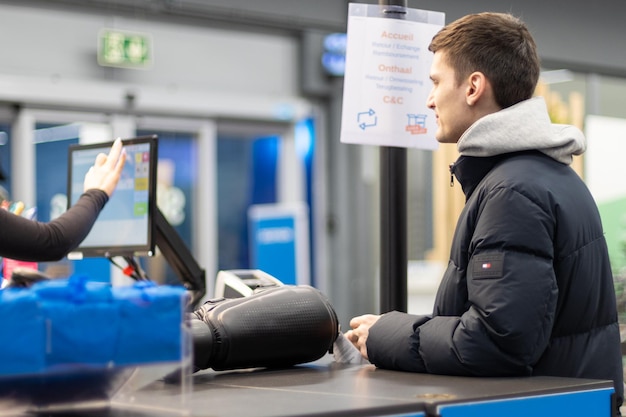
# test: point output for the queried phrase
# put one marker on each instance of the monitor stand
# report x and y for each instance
(180, 259)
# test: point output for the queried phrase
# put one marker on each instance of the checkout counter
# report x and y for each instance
(235, 382)
(340, 385)
(328, 388)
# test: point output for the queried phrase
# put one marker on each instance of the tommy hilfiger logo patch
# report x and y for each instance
(487, 265)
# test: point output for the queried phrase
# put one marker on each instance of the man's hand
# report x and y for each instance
(360, 330)
(107, 169)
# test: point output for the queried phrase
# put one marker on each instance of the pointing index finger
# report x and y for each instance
(114, 153)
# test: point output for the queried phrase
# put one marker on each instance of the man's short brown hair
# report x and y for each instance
(497, 44)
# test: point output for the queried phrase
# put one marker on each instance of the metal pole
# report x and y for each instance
(393, 210)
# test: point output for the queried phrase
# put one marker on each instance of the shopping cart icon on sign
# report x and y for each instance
(416, 124)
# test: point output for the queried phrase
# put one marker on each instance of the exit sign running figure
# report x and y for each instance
(124, 49)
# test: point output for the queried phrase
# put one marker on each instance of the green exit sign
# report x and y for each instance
(124, 49)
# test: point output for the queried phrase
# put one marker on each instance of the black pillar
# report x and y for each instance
(393, 209)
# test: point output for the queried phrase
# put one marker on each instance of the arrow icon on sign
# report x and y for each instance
(367, 119)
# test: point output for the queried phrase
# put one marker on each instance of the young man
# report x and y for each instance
(528, 289)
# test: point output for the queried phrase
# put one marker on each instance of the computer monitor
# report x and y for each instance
(131, 224)
(125, 227)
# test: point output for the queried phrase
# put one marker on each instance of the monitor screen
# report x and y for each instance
(125, 227)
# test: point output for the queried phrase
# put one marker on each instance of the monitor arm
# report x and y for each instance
(180, 259)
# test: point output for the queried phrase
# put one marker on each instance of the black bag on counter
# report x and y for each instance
(276, 327)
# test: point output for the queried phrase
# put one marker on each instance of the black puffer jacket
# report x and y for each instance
(528, 289)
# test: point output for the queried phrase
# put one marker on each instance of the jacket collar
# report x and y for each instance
(470, 170)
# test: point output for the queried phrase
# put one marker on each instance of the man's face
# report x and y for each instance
(447, 100)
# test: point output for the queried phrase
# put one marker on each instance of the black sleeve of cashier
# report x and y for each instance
(393, 342)
(28, 240)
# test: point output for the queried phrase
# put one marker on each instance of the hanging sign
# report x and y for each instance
(386, 81)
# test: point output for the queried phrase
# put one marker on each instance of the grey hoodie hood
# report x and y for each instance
(524, 126)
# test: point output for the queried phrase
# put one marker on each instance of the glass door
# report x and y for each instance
(51, 142)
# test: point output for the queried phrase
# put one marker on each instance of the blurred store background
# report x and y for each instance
(246, 98)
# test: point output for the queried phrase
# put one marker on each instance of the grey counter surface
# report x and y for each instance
(326, 388)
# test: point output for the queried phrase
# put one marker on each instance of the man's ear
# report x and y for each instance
(477, 85)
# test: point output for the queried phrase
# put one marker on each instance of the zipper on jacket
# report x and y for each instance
(452, 174)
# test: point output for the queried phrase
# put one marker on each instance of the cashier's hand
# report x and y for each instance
(107, 169)
(360, 330)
